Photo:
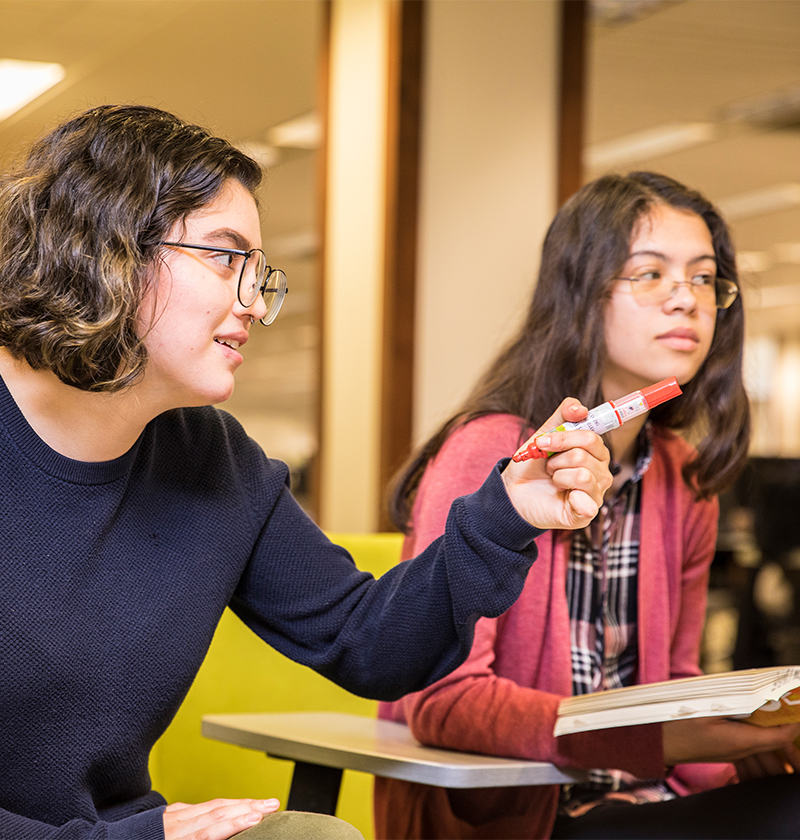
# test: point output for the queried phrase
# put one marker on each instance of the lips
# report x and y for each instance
(680, 338)
(231, 345)
(228, 343)
(233, 340)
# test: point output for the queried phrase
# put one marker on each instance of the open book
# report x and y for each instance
(764, 696)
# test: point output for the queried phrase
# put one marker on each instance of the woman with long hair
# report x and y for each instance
(637, 284)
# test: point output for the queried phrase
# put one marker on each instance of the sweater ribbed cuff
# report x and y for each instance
(495, 517)
(145, 826)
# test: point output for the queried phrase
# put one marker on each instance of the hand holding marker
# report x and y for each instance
(612, 414)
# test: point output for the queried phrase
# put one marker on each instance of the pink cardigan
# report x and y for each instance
(503, 699)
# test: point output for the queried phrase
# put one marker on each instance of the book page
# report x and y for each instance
(763, 696)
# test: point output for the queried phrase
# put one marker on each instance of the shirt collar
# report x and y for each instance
(644, 457)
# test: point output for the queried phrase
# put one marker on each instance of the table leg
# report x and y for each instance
(314, 788)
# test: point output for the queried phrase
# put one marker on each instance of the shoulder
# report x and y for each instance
(204, 430)
(469, 453)
(460, 467)
(206, 444)
(499, 434)
(670, 451)
(664, 478)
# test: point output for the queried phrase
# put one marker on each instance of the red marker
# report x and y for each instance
(612, 414)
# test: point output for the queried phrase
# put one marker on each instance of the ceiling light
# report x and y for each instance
(22, 81)
(758, 202)
(616, 12)
(652, 143)
(779, 109)
(300, 133)
(265, 156)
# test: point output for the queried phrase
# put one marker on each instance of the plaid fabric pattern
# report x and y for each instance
(601, 594)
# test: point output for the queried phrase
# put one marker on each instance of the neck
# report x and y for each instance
(81, 425)
(622, 442)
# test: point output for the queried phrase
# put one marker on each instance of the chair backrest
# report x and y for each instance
(242, 674)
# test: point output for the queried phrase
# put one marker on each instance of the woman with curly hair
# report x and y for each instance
(134, 512)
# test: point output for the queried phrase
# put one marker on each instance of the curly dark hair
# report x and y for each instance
(80, 223)
(560, 349)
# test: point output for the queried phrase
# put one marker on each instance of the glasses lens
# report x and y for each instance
(274, 292)
(252, 277)
(649, 291)
(726, 293)
(707, 291)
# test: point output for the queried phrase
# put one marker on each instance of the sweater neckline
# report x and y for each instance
(22, 435)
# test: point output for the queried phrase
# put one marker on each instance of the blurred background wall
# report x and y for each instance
(415, 152)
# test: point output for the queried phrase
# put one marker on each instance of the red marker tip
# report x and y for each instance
(531, 451)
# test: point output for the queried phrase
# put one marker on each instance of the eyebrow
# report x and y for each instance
(664, 257)
(229, 235)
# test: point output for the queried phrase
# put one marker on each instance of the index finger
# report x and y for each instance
(570, 411)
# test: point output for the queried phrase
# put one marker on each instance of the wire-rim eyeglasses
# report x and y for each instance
(269, 282)
(707, 289)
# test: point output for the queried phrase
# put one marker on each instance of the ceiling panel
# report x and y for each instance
(243, 66)
(238, 67)
(699, 61)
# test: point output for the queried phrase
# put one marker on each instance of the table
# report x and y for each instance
(323, 744)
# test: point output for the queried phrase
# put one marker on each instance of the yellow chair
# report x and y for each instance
(242, 674)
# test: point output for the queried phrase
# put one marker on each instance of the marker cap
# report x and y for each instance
(661, 391)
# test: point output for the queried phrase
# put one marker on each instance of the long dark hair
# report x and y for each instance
(80, 225)
(560, 349)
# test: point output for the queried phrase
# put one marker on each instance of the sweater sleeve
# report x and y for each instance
(148, 825)
(382, 638)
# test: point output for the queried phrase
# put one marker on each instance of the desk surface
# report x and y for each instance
(380, 747)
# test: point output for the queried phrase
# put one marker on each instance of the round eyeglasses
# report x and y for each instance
(255, 276)
(653, 289)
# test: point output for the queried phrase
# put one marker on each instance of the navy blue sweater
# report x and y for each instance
(113, 577)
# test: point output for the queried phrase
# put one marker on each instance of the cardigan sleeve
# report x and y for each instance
(474, 709)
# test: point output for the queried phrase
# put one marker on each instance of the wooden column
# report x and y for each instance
(572, 96)
(402, 199)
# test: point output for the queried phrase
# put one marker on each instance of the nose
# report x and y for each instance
(257, 309)
(682, 296)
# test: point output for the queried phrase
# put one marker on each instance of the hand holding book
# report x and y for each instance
(719, 739)
(703, 716)
(765, 696)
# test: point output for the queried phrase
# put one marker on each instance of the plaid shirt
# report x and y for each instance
(601, 593)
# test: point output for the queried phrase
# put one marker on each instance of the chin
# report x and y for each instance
(210, 396)
(222, 396)
(685, 374)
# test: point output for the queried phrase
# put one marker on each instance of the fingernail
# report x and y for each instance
(542, 442)
(270, 803)
(254, 817)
